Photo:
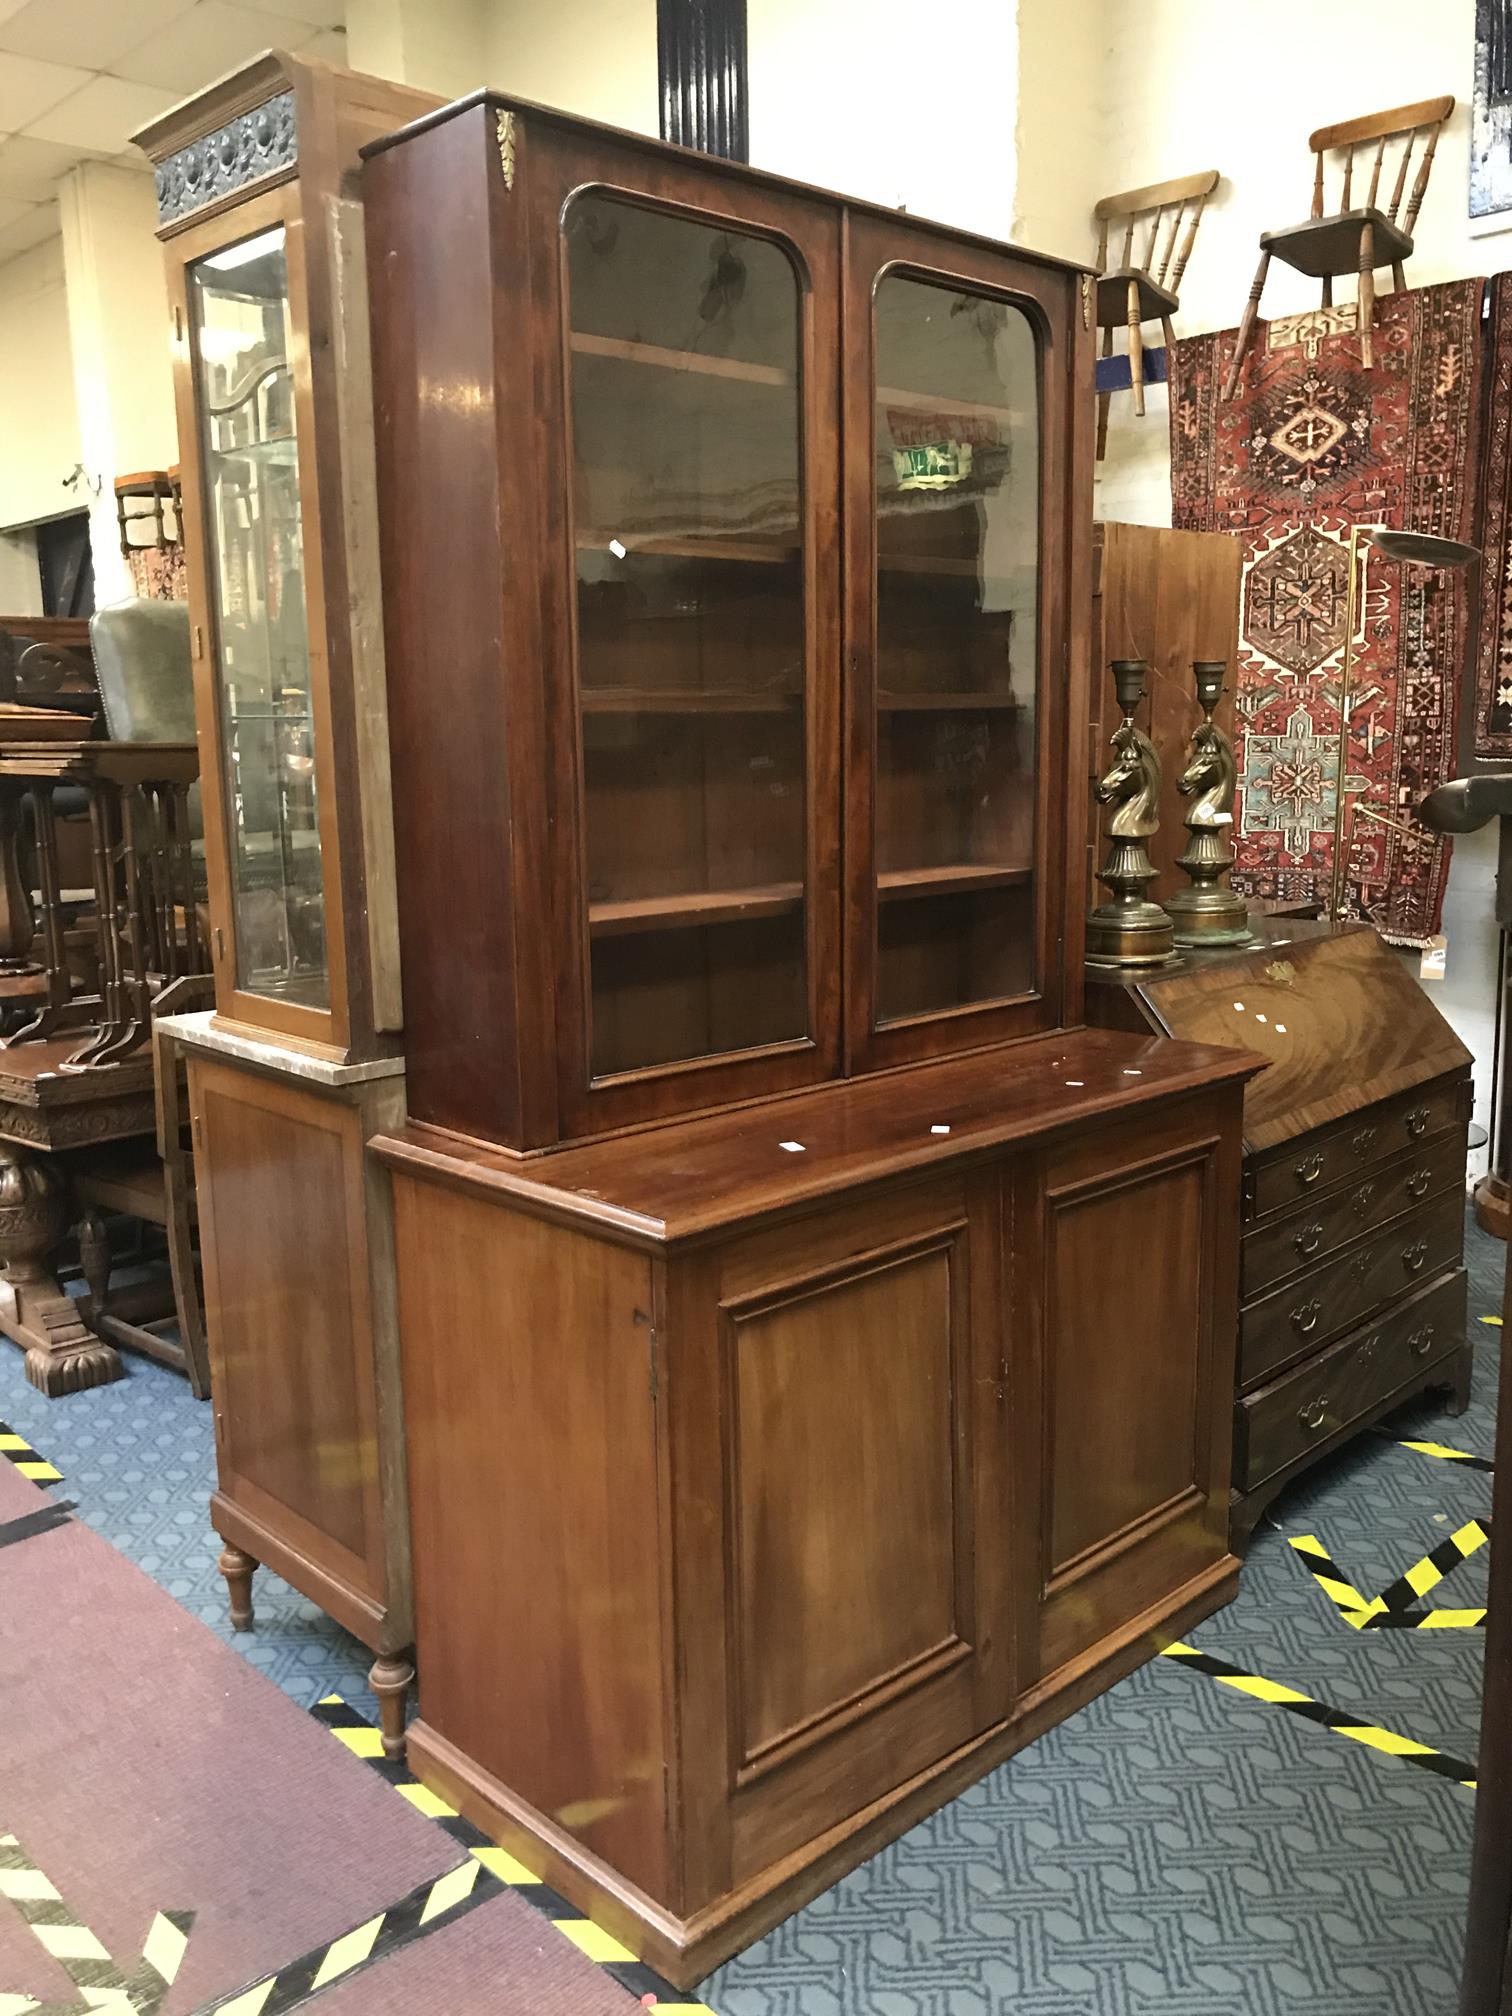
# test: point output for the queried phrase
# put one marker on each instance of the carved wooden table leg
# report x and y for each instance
(62, 1354)
(238, 1569)
(391, 1680)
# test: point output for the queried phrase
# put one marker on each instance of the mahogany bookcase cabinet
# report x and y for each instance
(816, 1346)
(300, 1062)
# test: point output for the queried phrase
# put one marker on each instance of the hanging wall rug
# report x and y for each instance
(1491, 735)
(1311, 445)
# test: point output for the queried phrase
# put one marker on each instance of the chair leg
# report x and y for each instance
(1169, 336)
(1247, 326)
(1398, 277)
(1136, 349)
(1328, 290)
(1104, 401)
(94, 1260)
(1367, 292)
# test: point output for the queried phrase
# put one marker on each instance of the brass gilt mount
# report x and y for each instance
(1130, 930)
(1208, 914)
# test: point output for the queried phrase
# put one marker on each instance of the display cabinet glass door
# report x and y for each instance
(244, 395)
(956, 485)
(686, 398)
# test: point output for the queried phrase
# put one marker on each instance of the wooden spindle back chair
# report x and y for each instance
(1359, 235)
(1158, 229)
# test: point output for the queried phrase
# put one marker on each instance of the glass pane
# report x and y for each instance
(686, 498)
(240, 302)
(958, 490)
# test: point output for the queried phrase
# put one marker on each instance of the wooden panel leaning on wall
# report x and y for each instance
(758, 1512)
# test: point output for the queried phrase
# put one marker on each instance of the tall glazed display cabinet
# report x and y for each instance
(785, 1444)
(300, 1062)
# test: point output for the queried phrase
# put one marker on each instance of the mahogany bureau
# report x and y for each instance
(1352, 1281)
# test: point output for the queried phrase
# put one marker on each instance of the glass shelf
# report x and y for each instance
(239, 300)
(691, 634)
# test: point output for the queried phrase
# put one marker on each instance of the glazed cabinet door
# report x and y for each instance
(965, 555)
(692, 620)
(247, 420)
(1124, 1244)
(842, 1610)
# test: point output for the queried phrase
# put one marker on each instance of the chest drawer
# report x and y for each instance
(1343, 1291)
(1313, 1402)
(1320, 1162)
(1314, 1230)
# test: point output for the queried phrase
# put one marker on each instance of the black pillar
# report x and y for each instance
(701, 57)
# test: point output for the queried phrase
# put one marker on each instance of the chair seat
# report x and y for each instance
(1329, 247)
(1113, 298)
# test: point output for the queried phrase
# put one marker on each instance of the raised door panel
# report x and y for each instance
(966, 555)
(1137, 1242)
(280, 1178)
(691, 629)
(857, 1587)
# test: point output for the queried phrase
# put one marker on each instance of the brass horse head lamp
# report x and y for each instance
(1129, 930)
(1410, 549)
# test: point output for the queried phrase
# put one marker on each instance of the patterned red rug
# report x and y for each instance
(1311, 445)
(1491, 734)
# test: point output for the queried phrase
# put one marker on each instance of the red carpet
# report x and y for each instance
(147, 1769)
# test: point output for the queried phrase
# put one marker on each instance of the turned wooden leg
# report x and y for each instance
(63, 1355)
(1104, 401)
(238, 1569)
(1367, 291)
(1247, 326)
(1169, 334)
(1398, 277)
(1328, 290)
(1136, 349)
(391, 1680)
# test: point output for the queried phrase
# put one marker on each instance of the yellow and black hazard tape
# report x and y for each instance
(25, 1458)
(79, 1952)
(1257, 1688)
(1395, 1608)
(440, 1900)
(617, 1961)
(1445, 1454)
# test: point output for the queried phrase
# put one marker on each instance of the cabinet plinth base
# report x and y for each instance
(686, 1949)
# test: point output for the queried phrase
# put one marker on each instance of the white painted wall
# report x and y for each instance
(119, 340)
(39, 422)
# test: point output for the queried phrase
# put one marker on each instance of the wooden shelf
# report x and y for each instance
(959, 877)
(928, 563)
(948, 703)
(687, 912)
(768, 552)
(643, 700)
(939, 402)
(694, 362)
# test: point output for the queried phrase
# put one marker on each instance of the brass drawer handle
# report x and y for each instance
(1309, 1169)
(1364, 1141)
(1309, 1239)
(1420, 1343)
(1313, 1415)
(1418, 1182)
(1416, 1121)
(1414, 1255)
(1362, 1199)
(1305, 1319)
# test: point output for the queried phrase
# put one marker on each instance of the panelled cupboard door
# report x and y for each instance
(1125, 1239)
(691, 619)
(288, 1318)
(961, 500)
(841, 1589)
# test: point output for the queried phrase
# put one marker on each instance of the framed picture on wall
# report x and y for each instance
(1491, 116)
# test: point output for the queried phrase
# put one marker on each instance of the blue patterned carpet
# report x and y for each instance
(1174, 1848)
